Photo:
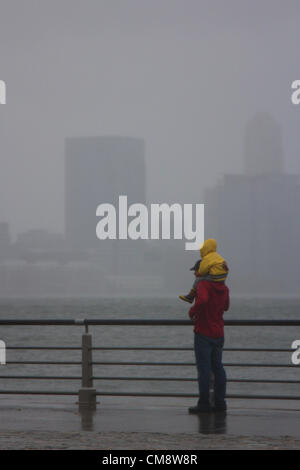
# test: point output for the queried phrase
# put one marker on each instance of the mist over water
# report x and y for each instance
(173, 102)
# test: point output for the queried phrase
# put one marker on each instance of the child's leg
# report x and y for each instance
(197, 279)
(191, 295)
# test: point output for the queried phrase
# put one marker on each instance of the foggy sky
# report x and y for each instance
(186, 76)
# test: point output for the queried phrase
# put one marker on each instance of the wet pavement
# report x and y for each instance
(258, 418)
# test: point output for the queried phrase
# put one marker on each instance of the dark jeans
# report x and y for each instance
(208, 352)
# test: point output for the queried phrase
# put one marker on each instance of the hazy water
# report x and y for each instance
(168, 308)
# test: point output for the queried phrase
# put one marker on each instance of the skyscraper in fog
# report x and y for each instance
(263, 148)
(98, 170)
(256, 216)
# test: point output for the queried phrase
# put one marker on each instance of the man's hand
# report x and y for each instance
(192, 315)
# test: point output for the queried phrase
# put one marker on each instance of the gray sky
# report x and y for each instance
(184, 75)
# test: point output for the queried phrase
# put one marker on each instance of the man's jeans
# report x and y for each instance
(208, 352)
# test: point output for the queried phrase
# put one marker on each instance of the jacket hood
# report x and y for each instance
(208, 246)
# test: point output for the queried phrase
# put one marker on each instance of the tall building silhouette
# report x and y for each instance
(256, 216)
(98, 170)
(263, 146)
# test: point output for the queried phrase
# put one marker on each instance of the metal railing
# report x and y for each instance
(87, 393)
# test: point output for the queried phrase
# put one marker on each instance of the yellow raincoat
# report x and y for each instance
(212, 263)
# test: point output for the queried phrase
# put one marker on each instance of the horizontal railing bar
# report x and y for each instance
(264, 381)
(112, 363)
(168, 379)
(129, 348)
(259, 349)
(135, 348)
(227, 322)
(142, 322)
(36, 392)
(228, 364)
(48, 322)
(193, 395)
(190, 379)
(139, 394)
(58, 348)
(44, 362)
(38, 377)
(236, 364)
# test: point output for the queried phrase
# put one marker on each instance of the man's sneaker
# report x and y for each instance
(187, 298)
(219, 408)
(200, 408)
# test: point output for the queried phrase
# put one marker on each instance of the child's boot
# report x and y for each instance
(189, 297)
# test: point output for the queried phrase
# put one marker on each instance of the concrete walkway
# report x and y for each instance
(138, 415)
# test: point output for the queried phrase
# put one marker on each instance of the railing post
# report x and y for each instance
(87, 394)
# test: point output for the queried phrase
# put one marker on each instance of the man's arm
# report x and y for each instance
(200, 300)
(227, 301)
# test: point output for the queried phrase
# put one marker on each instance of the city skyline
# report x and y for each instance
(187, 81)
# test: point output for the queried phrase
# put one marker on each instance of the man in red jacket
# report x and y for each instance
(212, 299)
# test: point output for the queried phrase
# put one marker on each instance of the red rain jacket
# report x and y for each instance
(212, 299)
